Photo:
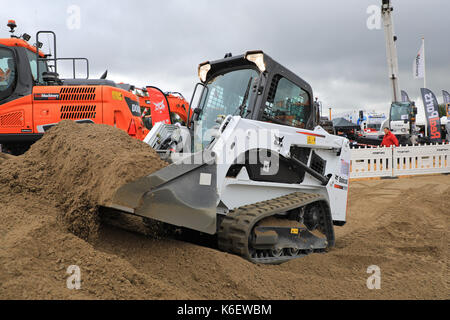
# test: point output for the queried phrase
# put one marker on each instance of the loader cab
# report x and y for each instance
(253, 86)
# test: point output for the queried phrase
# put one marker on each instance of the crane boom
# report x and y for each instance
(391, 49)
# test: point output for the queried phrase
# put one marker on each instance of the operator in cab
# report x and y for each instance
(8, 74)
(389, 138)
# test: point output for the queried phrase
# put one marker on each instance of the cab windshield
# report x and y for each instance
(7, 73)
(226, 94)
(33, 65)
(375, 126)
(400, 111)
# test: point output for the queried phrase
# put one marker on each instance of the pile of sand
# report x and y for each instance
(78, 167)
(4, 156)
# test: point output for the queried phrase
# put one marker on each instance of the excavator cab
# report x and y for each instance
(7, 73)
(17, 68)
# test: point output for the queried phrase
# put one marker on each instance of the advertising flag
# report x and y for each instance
(419, 64)
(432, 112)
(159, 106)
(446, 96)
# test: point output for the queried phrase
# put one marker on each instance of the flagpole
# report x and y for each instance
(424, 64)
(424, 82)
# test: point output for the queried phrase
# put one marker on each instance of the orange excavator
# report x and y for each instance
(33, 97)
(159, 106)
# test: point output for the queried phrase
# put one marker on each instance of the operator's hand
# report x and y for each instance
(301, 125)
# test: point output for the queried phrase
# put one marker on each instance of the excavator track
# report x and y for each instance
(237, 228)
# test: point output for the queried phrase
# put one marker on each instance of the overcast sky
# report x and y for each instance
(326, 42)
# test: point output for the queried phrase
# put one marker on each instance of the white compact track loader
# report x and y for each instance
(251, 166)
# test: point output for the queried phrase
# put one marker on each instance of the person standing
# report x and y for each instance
(389, 138)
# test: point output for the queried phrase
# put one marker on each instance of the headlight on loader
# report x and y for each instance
(257, 57)
(203, 70)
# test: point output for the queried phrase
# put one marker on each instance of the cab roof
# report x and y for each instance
(15, 42)
(272, 67)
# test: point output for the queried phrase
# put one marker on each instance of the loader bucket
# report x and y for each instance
(183, 195)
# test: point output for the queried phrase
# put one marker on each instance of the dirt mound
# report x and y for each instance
(4, 157)
(79, 166)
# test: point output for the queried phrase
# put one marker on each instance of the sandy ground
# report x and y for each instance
(399, 225)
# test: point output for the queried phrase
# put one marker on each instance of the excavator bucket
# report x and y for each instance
(184, 195)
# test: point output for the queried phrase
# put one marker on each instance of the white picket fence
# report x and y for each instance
(398, 161)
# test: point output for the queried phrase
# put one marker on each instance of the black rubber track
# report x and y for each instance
(235, 229)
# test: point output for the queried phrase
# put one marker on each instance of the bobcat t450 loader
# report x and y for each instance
(254, 168)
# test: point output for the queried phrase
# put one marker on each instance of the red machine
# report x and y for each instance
(163, 107)
(33, 98)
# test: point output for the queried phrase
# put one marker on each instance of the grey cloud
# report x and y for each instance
(326, 42)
